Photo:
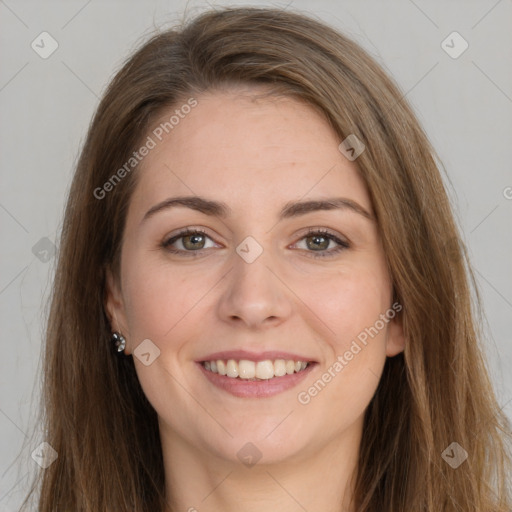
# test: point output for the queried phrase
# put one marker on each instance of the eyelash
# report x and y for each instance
(342, 245)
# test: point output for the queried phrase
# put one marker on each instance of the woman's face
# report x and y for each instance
(258, 286)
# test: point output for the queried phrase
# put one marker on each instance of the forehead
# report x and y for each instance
(246, 149)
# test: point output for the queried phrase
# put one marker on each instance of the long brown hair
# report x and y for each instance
(437, 392)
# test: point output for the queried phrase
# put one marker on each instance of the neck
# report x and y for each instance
(319, 479)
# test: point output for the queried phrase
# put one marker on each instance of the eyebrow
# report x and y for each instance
(289, 210)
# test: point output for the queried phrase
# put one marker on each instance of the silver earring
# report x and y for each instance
(118, 341)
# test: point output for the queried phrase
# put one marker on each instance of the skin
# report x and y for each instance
(255, 154)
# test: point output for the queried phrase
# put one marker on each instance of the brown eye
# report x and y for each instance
(191, 241)
(317, 243)
(195, 241)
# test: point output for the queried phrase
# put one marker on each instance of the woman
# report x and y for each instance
(261, 299)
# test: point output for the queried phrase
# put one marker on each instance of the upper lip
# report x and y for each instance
(254, 356)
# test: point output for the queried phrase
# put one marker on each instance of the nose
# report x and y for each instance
(254, 294)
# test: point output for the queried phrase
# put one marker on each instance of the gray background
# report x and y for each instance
(465, 105)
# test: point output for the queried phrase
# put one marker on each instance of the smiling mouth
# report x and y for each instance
(245, 369)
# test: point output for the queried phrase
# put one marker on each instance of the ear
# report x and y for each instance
(395, 339)
(114, 307)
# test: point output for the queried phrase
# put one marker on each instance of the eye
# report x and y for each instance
(191, 241)
(319, 240)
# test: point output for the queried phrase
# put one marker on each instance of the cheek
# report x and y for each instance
(353, 306)
(157, 297)
(350, 302)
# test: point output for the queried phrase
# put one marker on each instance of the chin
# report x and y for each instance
(269, 443)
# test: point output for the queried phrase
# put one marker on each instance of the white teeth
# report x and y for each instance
(246, 369)
(221, 368)
(250, 370)
(232, 369)
(264, 369)
(280, 367)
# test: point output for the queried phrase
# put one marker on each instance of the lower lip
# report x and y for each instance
(256, 388)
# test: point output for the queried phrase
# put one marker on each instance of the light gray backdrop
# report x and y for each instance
(462, 96)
